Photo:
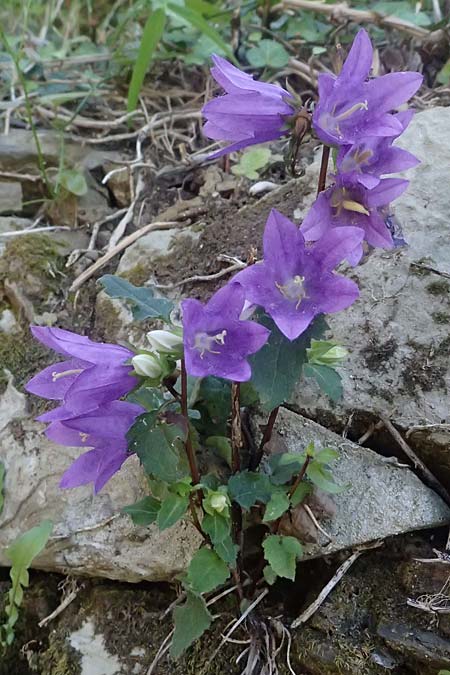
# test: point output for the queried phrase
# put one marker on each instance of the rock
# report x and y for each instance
(90, 536)
(380, 498)
(12, 403)
(422, 646)
(398, 331)
(10, 197)
(8, 323)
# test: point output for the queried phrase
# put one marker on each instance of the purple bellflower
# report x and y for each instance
(250, 112)
(104, 430)
(348, 202)
(371, 158)
(295, 283)
(94, 374)
(351, 107)
(216, 341)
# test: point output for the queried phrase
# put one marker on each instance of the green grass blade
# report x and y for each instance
(153, 31)
(202, 24)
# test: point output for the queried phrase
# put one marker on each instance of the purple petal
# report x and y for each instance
(386, 191)
(45, 385)
(336, 245)
(377, 232)
(227, 301)
(335, 293)
(80, 346)
(293, 321)
(283, 242)
(98, 385)
(359, 60)
(108, 421)
(61, 434)
(83, 470)
(317, 220)
(110, 463)
(390, 91)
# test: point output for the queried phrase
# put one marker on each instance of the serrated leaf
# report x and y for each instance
(326, 455)
(150, 398)
(323, 478)
(278, 365)
(206, 571)
(282, 466)
(151, 35)
(268, 53)
(251, 162)
(281, 553)
(2, 483)
(144, 512)
(277, 505)
(269, 575)
(172, 509)
(249, 487)
(301, 491)
(327, 378)
(228, 551)
(191, 620)
(196, 19)
(216, 527)
(158, 445)
(73, 181)
(144, 305)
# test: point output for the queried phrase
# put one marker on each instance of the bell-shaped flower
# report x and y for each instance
(348, 202)
(250, 112)
(351, 107)
(95, 373)
(294, 283)
(216, 341)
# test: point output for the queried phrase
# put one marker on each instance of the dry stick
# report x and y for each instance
(122, 245)
(344, 12)
(314, 606)
(429, 477)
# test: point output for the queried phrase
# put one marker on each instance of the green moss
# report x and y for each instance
(440, 318)
(441, 287)
(23, 357)
(60, 658)
(137, 275)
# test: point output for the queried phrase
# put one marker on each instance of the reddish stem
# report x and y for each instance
(323, 169)
(188, 444)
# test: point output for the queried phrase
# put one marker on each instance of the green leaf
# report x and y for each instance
(172, 509)
(326, 353)
(327, 378)
(197, 20)
(249, 487)
(269, 575)
(222, 445)
(251, 162)
(2, 483)
(301, 491)
(268, 53)
(159, 447)
(143, 512)
(278, 504)
(151, 35)
(402, 10)
(326, 455)
(278, 365)
(191, 620)
(282, 466)
(24, 550)
(323, 478)
(144, 305)
(443, 77)
(216, 527)
(150, 398)
(73, 181)
(227, 550)
(206, 571)
(281, 553)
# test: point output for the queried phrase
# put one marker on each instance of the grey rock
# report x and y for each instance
(381, 499)
(11, 197)
(422, 646)
(90, 536)
(13, 404)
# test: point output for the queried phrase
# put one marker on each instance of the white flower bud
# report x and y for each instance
(218, 502)
(147, 365)
(164, 341)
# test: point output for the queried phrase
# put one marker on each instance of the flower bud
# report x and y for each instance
(218, 502)
(147, 365)
(326, 353)
(165, 341)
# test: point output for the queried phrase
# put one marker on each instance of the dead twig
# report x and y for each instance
(70, 597)
(324, 593)
(205, 277)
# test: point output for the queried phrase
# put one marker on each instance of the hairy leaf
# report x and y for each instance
(216, 527)
(282, 466)
(323, 478)
(151, 35)
(281, 553)
(327, 378)
(191, 620)
(277, 505)
(143, 512)
(301, 491)
(206, 571)
(249, 487)
(227, 550)
(158, 446)
(172, 509)
(269, 575)
(144, 305)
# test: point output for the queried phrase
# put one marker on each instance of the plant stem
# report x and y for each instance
(236, 427)
(323, 169)
(293, 488)
(184, 410)
(267, 435)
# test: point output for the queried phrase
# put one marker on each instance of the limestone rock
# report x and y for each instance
(381, 499)
(10, 197)
(90, 536)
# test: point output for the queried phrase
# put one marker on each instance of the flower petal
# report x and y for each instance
(45, 384)
(358, 63)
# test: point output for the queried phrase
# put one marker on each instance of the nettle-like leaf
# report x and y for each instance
(172, 509)
(328, 379)
(248, 487)
(227, 550)
(206, 571)
(277, 367)
(281, 553)
(282, 466)
(22, 552)
(216, 527)
(143, 304)
(222, 445)
(191, 620)
(214, 403)
(323, 478)
(144, 512)
(150, 398)
(300, 493)
(252, 162)
(276, 506)
(269, 575)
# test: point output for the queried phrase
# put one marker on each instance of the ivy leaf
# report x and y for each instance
(144, 305)
(159, 448)
(302, 490)
(206, 571)
(277, 367)
(249, 487)
(277, 505)
(328, 379)
(251, 162)
(216, 527)
(227, 550)
(268, 53)
(144, 512)
(323, 478)
(191, 620)
(282, 466)
(2, 482)
(172, 509)
(281, 553)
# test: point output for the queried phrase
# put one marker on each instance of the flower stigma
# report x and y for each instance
(204, 342)
(58, 376)
(293, 289)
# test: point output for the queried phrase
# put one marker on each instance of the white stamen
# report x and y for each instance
(57, 376)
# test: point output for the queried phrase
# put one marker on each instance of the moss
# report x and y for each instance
(377, 353)
(441, 287)
(440, 318)
(137, 275)
(23, 357)
(60, 658)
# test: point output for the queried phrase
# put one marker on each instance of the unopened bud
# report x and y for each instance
(218, 502)
(147, 365)
(165, 341)
(326, 353)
